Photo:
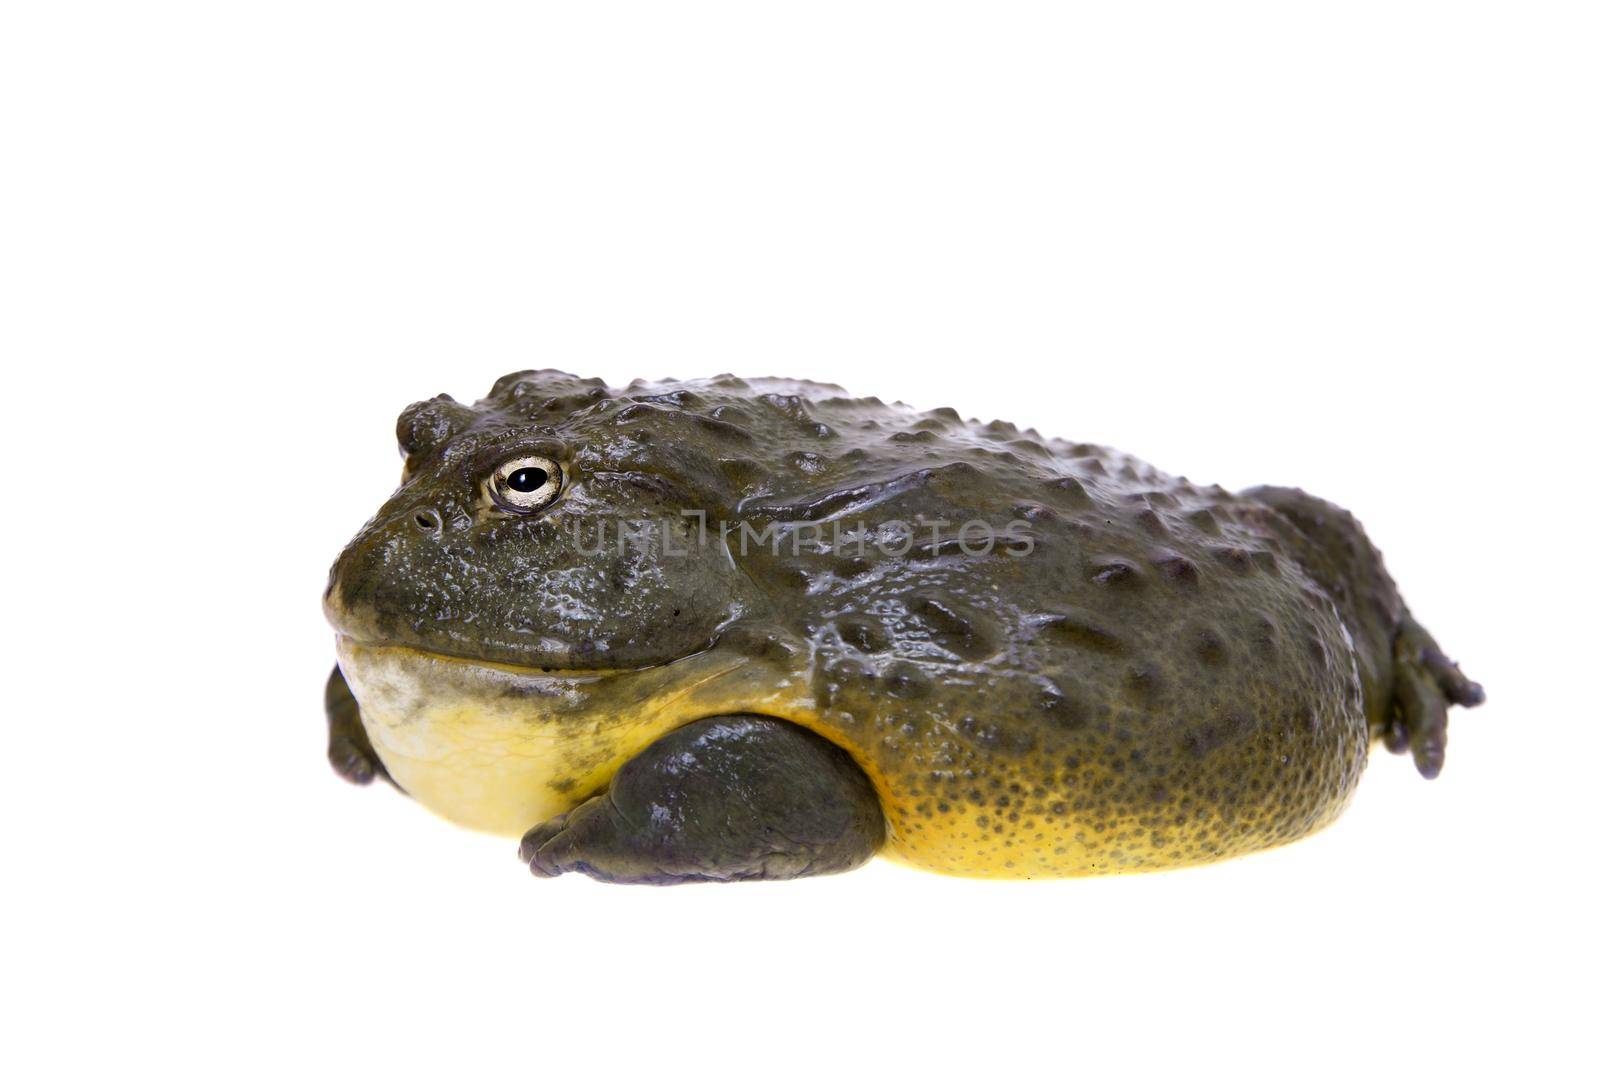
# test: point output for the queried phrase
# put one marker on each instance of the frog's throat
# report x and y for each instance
(502, 748)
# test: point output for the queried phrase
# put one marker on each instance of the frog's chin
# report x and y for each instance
(493, 746)
(501, 747)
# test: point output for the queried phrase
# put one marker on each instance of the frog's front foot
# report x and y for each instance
(726, 799)
(350, 753)
(1426, 683)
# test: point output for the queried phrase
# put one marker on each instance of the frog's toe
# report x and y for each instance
(1423, 715)
(351, 762)
(1395, 737)
(1446, 673)
(1426, 683)
(535, 840)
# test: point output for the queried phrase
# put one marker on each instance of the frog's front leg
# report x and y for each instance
(724, 799)
(1408, 683)
(349, 750)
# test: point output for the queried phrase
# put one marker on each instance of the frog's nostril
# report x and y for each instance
(426, 519)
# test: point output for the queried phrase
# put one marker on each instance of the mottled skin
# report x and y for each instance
(1141, 673)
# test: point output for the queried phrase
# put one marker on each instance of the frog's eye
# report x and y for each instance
(525, 484)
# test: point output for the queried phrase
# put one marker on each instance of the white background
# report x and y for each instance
(1346, 246)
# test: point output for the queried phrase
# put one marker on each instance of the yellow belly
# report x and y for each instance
(502, 749)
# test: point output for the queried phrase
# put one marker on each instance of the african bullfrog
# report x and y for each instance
(732, 629)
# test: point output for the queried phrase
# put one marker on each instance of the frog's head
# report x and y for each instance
(555, 524)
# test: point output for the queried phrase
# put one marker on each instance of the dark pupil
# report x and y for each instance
(527, 479)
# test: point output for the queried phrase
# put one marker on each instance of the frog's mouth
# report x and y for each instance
(409, 682)
(398, 687)
(421, 655)
(515, 654)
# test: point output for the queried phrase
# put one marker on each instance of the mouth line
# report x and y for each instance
(530, 670)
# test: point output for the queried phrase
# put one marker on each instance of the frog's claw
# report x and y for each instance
(1426, 683)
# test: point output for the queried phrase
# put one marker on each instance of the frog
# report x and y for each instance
(730, 629)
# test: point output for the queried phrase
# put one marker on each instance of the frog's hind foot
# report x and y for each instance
(1426, 684)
